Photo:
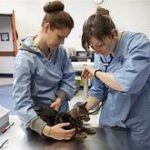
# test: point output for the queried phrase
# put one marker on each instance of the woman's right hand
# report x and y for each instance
(88, 72)
(57, 132)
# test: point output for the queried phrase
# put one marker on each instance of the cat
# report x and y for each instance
(76, 116)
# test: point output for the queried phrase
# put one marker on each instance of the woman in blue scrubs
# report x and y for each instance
(121, 80)
(43, 73)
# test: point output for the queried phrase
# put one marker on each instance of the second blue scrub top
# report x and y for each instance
(131, 68)
(37, 79)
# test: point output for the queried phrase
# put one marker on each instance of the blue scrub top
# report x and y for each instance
(38, 79)
(131, 68)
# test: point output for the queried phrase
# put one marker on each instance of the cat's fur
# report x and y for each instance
(76, 116)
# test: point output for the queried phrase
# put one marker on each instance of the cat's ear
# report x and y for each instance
(83, 105)
(78, 104)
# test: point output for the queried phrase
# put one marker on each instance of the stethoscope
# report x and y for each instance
(105, 88)
(106, 64)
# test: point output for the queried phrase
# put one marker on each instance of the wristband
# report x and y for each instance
(96, 72)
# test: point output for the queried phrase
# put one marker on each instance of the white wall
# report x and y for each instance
(127, 14)
(6, 65)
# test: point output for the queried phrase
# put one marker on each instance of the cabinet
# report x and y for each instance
(8, 35)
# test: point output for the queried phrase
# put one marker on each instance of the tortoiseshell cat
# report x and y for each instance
(75, 117)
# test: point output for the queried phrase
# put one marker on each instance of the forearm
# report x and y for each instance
(47, 131)
(61, 94)
(109, 80)
(37, 124)
(91, 102)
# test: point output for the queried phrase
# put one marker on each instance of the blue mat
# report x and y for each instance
(6, 99)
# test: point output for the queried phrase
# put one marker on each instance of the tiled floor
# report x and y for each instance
(94, 119)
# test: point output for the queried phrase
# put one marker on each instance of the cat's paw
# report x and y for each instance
(89, 130)
(81, 135)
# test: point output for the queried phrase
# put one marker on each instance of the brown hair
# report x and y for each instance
(56, 16)
(98, 25)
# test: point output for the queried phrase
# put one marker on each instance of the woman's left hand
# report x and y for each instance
(56, 104)
(88, 72)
